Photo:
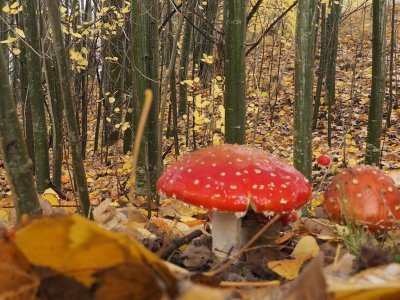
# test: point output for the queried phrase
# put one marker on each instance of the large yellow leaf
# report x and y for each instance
(76, 247)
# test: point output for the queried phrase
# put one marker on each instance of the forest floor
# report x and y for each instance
(109, 184)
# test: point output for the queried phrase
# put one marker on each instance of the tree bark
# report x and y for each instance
(36, 96)
(391, 62)
(13, 150)
(378, 82)
(145, 43)
(235, 71)
(332, 36)
(322, 66)
(304, 63)
(66, 92)
(184, 61)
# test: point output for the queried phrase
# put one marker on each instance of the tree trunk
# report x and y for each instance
(332, 36)
(322, 66)
(184, 61)
(66, 92)
(145, 50)
(13, 150)
(36, 96)
(304, 63)
(235, 71)
(391, 62)
(53, 85)
(378, 82)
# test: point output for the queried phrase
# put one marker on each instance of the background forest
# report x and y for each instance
(99, 97)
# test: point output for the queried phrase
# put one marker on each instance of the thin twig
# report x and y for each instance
(250, 284)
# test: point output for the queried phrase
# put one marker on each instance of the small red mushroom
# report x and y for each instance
(365, 196)
(323, 160)
(228, 179)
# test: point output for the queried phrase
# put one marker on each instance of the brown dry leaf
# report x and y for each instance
(16, 279)
(74, 246)
(54, 285)
(311, 284)
(177, 229)
(306, 247)
(289, 268)
(122, 282)
(16, 284)
(176, 209)
(375, 283)
(11, 255)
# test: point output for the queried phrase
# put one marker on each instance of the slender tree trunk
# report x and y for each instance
(304, 63)
(184, 61)
(378, 82)
(27, 111)
(235, 71)
(322, 66)
(42, 169)
(173, 51)
(53, 85)
(207, 46)
(128, 86)
(391, 62)
(66, 92)
(332, 35)
(145, 50)
(13, 150)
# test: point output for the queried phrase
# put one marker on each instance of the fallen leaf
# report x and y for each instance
(74, 246)
(306, 247)
(289, 268)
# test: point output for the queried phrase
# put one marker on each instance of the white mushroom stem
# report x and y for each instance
(227, 234)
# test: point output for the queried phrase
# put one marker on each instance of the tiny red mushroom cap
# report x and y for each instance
(229, 178)
(324, 160)
(364, 195)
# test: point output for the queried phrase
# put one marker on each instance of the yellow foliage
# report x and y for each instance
(77, 247)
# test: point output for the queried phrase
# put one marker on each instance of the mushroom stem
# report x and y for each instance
(227, 235)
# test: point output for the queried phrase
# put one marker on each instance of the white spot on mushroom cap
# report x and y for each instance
(196, 181)
(257, 171)
(354, 181)
(222, 174)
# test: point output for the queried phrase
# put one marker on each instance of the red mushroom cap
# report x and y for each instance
(324, 160)
(365, 196)
(231, 177)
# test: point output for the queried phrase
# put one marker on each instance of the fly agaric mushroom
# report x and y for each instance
(323, 160)
(227, 179)
(365, 196)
